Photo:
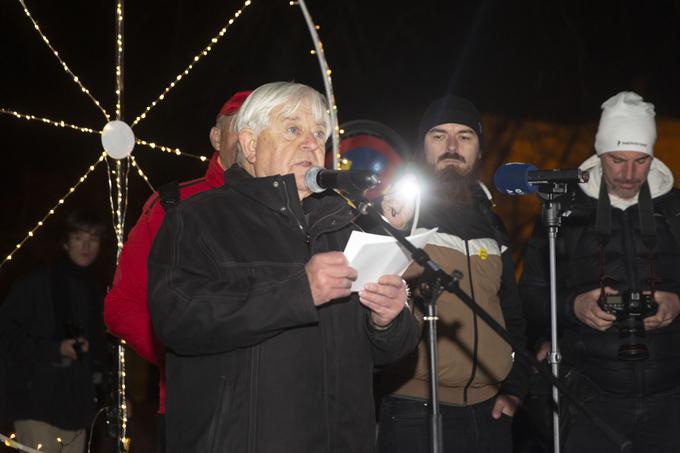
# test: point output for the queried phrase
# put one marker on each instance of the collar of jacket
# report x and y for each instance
(660, 181)
(279, 193)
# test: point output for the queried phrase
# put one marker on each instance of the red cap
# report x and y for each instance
(234, 103)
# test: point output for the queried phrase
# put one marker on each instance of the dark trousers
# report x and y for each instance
(161, 433)
(652, 423)
(404, 427)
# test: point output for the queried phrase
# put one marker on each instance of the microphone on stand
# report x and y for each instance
(517, 178)
(318, 179)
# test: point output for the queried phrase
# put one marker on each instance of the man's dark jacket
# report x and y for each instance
(626, 264)
(252, 365)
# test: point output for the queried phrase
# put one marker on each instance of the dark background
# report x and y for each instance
(555, 61)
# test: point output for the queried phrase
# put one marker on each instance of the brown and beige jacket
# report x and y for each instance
(473, 361)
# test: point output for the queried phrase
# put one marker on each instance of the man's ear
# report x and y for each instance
(215, 137)
(247, 139)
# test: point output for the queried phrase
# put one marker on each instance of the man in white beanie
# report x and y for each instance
(618, 288)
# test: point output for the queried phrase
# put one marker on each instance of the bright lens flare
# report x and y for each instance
(406, 188)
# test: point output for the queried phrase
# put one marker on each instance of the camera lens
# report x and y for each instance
(633, 352)
(632, 334)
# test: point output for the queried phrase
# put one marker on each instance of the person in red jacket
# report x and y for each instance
(126, 311)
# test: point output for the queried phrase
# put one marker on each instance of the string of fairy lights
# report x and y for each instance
(9, 441)
(118, 216)
(167, 149)
(206, 50)
(327, 81)
(138, 141)
(54, 123)
(141, 173)
(119, 59)
(123, 439)
(64, 65)
(119, 96)
(41, 222)
(117, 174)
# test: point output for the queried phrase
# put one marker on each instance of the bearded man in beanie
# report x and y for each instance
(479, 384)
(126, 310)
(618, 286)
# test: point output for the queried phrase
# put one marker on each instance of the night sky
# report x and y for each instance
(556, 61)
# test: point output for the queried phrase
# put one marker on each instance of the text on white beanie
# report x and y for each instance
(627, 124)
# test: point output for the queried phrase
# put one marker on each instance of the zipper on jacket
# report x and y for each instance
(475, 338)
(288, 207)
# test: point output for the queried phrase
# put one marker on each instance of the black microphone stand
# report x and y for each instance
(437, 281)
(431, 290)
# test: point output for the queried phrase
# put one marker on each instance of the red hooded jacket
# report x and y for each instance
(126, 310)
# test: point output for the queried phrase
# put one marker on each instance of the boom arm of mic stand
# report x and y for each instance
(450, 284)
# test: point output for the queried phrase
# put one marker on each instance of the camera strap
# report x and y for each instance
(670, 207)
(603, 216)
(646, 214)
(648, 230)
(603, 229)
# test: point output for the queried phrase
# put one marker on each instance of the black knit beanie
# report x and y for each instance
(451, 109)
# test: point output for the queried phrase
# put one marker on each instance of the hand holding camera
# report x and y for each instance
(669, 308)
(588, 311)
(74, 348)
(631, 308)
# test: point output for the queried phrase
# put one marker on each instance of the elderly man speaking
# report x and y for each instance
(267, 348)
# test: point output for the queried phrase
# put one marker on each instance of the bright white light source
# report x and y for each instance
(406, 188)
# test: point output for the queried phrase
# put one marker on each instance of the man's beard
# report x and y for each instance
(451, 186)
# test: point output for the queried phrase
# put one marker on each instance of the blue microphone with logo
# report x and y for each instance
(516, 178)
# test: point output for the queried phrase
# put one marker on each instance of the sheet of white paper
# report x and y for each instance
(373, 255)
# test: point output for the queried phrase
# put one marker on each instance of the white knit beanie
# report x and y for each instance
(627, 124)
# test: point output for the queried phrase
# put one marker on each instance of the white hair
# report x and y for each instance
(255, 113)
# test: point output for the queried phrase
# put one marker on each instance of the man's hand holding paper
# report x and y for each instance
(373, 255)
(330, 276)
(385, 299)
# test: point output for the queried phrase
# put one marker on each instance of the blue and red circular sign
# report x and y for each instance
(372, 146)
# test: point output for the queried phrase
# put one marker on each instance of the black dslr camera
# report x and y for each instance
(630, 307)
(75, 330)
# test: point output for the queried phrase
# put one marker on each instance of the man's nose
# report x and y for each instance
(309, 141)
(629, 170)
(452, 144)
